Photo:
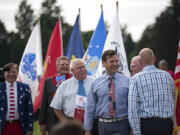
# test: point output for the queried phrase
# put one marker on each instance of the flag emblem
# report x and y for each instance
(29, 66)
(92, 64)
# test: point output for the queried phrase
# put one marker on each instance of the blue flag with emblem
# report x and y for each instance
(75, 47)
(93, 55)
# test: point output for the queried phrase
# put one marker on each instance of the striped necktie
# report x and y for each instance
(112, 98)
(11, 102)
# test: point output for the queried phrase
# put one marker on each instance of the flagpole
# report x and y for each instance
(61, 34)
(40, 49)
(79, 10)
(101, 7)
(117, 5)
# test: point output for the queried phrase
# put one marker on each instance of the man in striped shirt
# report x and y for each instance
(151, 99)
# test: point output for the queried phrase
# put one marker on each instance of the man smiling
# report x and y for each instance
(16, 108)
(70, 91)
(107, 99)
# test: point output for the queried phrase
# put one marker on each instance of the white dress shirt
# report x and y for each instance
(65, 98)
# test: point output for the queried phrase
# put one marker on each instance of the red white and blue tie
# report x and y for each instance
(112, 98)
(11, 102)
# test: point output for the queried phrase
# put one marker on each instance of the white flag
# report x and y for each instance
(114, 41)
(31, 63)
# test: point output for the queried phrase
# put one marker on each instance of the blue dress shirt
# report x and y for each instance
(97, 102)
(151, 94)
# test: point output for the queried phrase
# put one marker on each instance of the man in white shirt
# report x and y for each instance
(68, 101)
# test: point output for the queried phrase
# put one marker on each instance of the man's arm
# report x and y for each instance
(90, 111)
(87, 133)
(29, 111)
(133, 108)
(59, 114)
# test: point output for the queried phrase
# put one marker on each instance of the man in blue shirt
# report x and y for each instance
(100, 104)
(151, 99)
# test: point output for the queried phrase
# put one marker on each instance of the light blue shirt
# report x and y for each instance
(97, 102)
(151, 94)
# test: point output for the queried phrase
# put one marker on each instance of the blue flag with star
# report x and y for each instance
(95, 47)
(75, 47)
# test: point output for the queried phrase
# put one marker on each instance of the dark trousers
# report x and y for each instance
(152, 126)
(118, 128)
(94, 130)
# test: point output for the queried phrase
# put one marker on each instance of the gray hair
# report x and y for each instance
(62, 58)
(137, 57)
(73, 62)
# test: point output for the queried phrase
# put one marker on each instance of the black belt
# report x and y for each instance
(156, 118)
(12, 121)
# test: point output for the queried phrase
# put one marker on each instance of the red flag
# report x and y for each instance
(177, 87)
(54, 51)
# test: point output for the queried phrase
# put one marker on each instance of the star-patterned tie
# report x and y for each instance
(112, 98)
(11, 102)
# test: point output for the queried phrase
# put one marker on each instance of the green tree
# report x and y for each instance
(86, 37)
(129, 44)
(24, 19)
(3, 45)
(66, 31)
(48, 18)
(163, 35)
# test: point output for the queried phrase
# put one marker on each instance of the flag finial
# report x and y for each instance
(101, 7)
(79, 10)
(117, 4)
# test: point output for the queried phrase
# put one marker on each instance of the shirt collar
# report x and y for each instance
(149, 67)
(78, 80)
(8, 83)
(107, 75)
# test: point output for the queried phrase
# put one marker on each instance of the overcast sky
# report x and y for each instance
(136, 14)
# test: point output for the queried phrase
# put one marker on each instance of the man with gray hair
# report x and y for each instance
(151, 99)
(135, 65)
(70, 99)
(47, 117)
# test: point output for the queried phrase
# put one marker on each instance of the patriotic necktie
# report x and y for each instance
(81, 100)
(11, 102)
(112, 98)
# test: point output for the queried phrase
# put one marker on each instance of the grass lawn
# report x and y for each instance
(36, 130)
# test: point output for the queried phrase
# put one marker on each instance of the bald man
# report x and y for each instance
(135, 65)
(151, 99)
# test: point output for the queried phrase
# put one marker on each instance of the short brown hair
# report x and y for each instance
(10, 65)
(108, 53)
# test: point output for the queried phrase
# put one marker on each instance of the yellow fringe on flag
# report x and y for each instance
(175, 130)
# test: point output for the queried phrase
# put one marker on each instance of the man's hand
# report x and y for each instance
(29, 133)
(87, 133)
(43, 129)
